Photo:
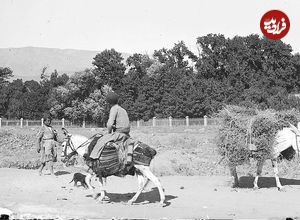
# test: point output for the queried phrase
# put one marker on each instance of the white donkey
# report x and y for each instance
(285, 138)
(77, 144)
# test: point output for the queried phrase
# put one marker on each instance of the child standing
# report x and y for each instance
(46, 145)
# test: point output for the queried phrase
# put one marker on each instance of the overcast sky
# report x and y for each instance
(134, 25)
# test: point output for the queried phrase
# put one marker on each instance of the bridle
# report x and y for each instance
(70, 144)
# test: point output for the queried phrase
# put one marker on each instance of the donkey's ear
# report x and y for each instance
(65, 132)
(294, 129)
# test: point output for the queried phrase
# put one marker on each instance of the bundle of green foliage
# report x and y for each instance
(248, 132)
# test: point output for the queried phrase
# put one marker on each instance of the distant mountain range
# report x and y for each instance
(27, 63)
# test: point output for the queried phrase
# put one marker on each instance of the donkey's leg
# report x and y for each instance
(104, 179)
(88, 178)
(88, 183)
(145, 170)
(142, 182)
(102, 190)
(275, 168)
(234, 176)
(260, 164)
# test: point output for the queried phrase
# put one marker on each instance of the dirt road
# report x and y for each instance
(30, 195)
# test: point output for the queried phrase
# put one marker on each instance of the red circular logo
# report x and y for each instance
(275, 24)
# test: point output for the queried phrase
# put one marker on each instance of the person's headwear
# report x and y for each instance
(112, 98)
(47, 116)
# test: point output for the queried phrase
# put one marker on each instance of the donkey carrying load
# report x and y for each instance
(248, 133)
(110, 160)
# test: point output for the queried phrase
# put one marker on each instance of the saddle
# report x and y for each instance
(98, 144)
(110, 161)
(110, 158)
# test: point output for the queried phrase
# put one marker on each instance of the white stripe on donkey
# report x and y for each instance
(77, 144)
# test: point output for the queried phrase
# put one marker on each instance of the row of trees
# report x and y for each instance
(249, 71)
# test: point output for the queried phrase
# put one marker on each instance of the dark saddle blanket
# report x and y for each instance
(99, 142)
(111, 161)
(107, 155)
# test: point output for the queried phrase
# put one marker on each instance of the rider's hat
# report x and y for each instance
(112, 98)
(47, 116)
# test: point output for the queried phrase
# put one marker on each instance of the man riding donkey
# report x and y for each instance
(46, 144)
(113, 154)
(118, 127)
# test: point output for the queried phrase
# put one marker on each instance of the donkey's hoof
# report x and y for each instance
(281, 189)
(130, 202)
(255, 188)
(106, 198)
(103, 199)
(95, 195)
(162, 203)
(235, 185)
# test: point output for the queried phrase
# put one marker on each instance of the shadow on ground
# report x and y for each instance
(59, 173)
(144, 198)
(265, 182)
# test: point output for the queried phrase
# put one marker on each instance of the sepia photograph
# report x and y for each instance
(148, 109)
